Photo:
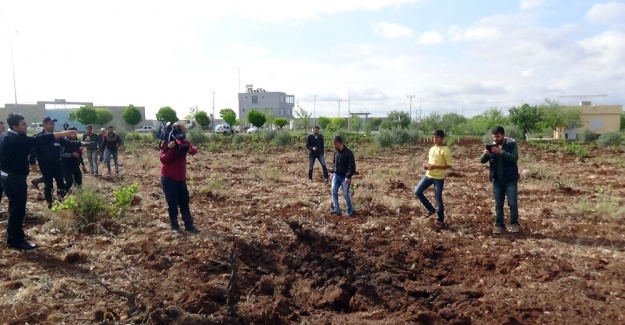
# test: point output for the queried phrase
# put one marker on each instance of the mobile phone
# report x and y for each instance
(490, 147)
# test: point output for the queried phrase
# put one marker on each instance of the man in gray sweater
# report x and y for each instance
(93, 145)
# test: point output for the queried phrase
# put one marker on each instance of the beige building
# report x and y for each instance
(599, 119)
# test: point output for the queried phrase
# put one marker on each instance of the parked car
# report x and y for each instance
(224, 129)
(251, 130)
(146, 128)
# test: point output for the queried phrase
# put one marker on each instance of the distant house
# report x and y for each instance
(278, 104)
(599, 119)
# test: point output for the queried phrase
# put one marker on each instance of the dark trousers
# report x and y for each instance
(177, 196)
(52, 171)
(1, 191)
(439, 184)
(72, 175)
(500, 191)
(311, 164)
(15, 188)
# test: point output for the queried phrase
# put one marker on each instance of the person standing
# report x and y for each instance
(173, 155)
(93, 146)
(504, 174)
(439, 160)
(314, 144)
(71, 159)
(15, 147)
(48, 156)
(111, 146)
(101, 136)
(2, 130)
(344, 167)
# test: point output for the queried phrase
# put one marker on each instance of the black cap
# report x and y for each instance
(49, 119)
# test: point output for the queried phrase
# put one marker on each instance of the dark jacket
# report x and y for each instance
(503, 167)
(313, 141)
(94, 139)
(344, 163)
(111, 142)
(174, 161)
(14, 151)
(48, 152)
(67, 156)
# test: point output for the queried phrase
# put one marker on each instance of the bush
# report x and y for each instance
(587, 136)
(86, 204)
(197, 136)
(238, 139)
(283, 139)
(397, 137)
(214, 137)
(268, 135)
(385, 139)
(610, 139)
(122, 134)
(124, 196)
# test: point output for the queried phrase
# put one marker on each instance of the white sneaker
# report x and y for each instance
(514, 228)
(498, 230)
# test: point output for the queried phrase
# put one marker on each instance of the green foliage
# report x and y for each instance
(122, 134)
(368, 128)
(256, 118)
(610, 139)
(587, 136)
(197, 136)
(202, 118)
(86, 115)
(336, 124)
(132, 115)
(86, 204)
(104, 116)
(214, 137)
(268, 135)
(355, 123)
(268, 115)
(623, 121)
(304, 120)
(576, 149)
(397, 137)
(283, 139)
(376, 122)
(554, 116)
(527, 118)
(238, 138)
(396, 119)
(281, 122)
(72, 116)
(124, 196)
(229, 116)
(167, 114)
(324, 122)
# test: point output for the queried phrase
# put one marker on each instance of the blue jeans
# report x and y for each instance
(500, 191)
(339, 181)
(423, 185)
(311, 163)
(108, 153)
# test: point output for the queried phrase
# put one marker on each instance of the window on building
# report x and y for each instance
(243, 110)
(281, 99)
(282, 112)
(254, 99)
(290, 99)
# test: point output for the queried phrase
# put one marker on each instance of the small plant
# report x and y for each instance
(238, 139)
(610, 139)
(268, 135)
(86, 204)
(214, 137)
(124, 196)
(576, 149)
(283, 139)
(197, 136)
(587, 136)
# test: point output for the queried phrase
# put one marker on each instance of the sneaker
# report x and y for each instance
(176, 230)
(514, 228)
(192, 230)
(335, 212)
(439, 225)
(498, 230)
(109, 172)
(35, 183)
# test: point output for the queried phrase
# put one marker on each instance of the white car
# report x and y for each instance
(188, 124)
(146, 128)
(224, 129)
(251, 130)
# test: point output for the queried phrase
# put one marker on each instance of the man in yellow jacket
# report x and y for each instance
(439, 160)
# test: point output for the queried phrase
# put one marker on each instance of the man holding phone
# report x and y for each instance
(503, 156)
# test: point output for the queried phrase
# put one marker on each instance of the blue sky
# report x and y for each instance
(454, 56)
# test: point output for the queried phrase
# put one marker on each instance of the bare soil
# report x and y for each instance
(270, 253)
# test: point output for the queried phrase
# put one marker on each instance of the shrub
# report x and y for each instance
(587, 136)
(283, 139)
(124, 196)
(214, 137)
(197, 136)
(86, 204)
(610, 139)
(122, 134)
(268, 135)
(238, 139)
(385, 139)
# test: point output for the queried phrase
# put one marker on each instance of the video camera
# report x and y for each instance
(168, 132)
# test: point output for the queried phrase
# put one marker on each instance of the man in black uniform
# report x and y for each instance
(48, 155)
(2, 130)
(314, 144)
(14, 149)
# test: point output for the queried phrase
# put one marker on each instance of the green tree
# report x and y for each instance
(337, 124)
(167, 114)
(527, 118)
(281, 122)
(86, 115)
(556, 117)
(376, 122)
(72, 116)
(431, 122)
(132, 116)
(323, 122)
(202, 118)
(104, 116)
(396, 119)
(228, 115)
(453, 122)
(256, 118)
(304, 118)
(355, 123)
(623, 121)
(268, 115)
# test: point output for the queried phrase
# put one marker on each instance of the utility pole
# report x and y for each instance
(411, 97)
(339, 100)
(13, 67)
(420, 102)
(314, 110)
(213, 121)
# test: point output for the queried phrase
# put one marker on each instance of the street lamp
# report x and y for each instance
(339, 100)
(314, 110)
(13, 65)
(411, 97)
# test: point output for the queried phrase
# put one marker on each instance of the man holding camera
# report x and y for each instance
(15, 147)
(174, 177)
(314, 144)
(503, 156)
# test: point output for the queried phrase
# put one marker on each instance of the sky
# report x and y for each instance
(451, 55)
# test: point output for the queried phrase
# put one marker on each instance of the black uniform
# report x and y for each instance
(14, 150)
(71, 165)
(48, 156)
(316, 141)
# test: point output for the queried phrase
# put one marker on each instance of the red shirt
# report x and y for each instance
(174, 163)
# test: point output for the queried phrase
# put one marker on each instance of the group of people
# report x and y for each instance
(502, 157)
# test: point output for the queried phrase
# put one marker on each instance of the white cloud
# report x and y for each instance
(390, 30)
(431, 37)
(474, 33)
(606, 13)
(529, 4)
